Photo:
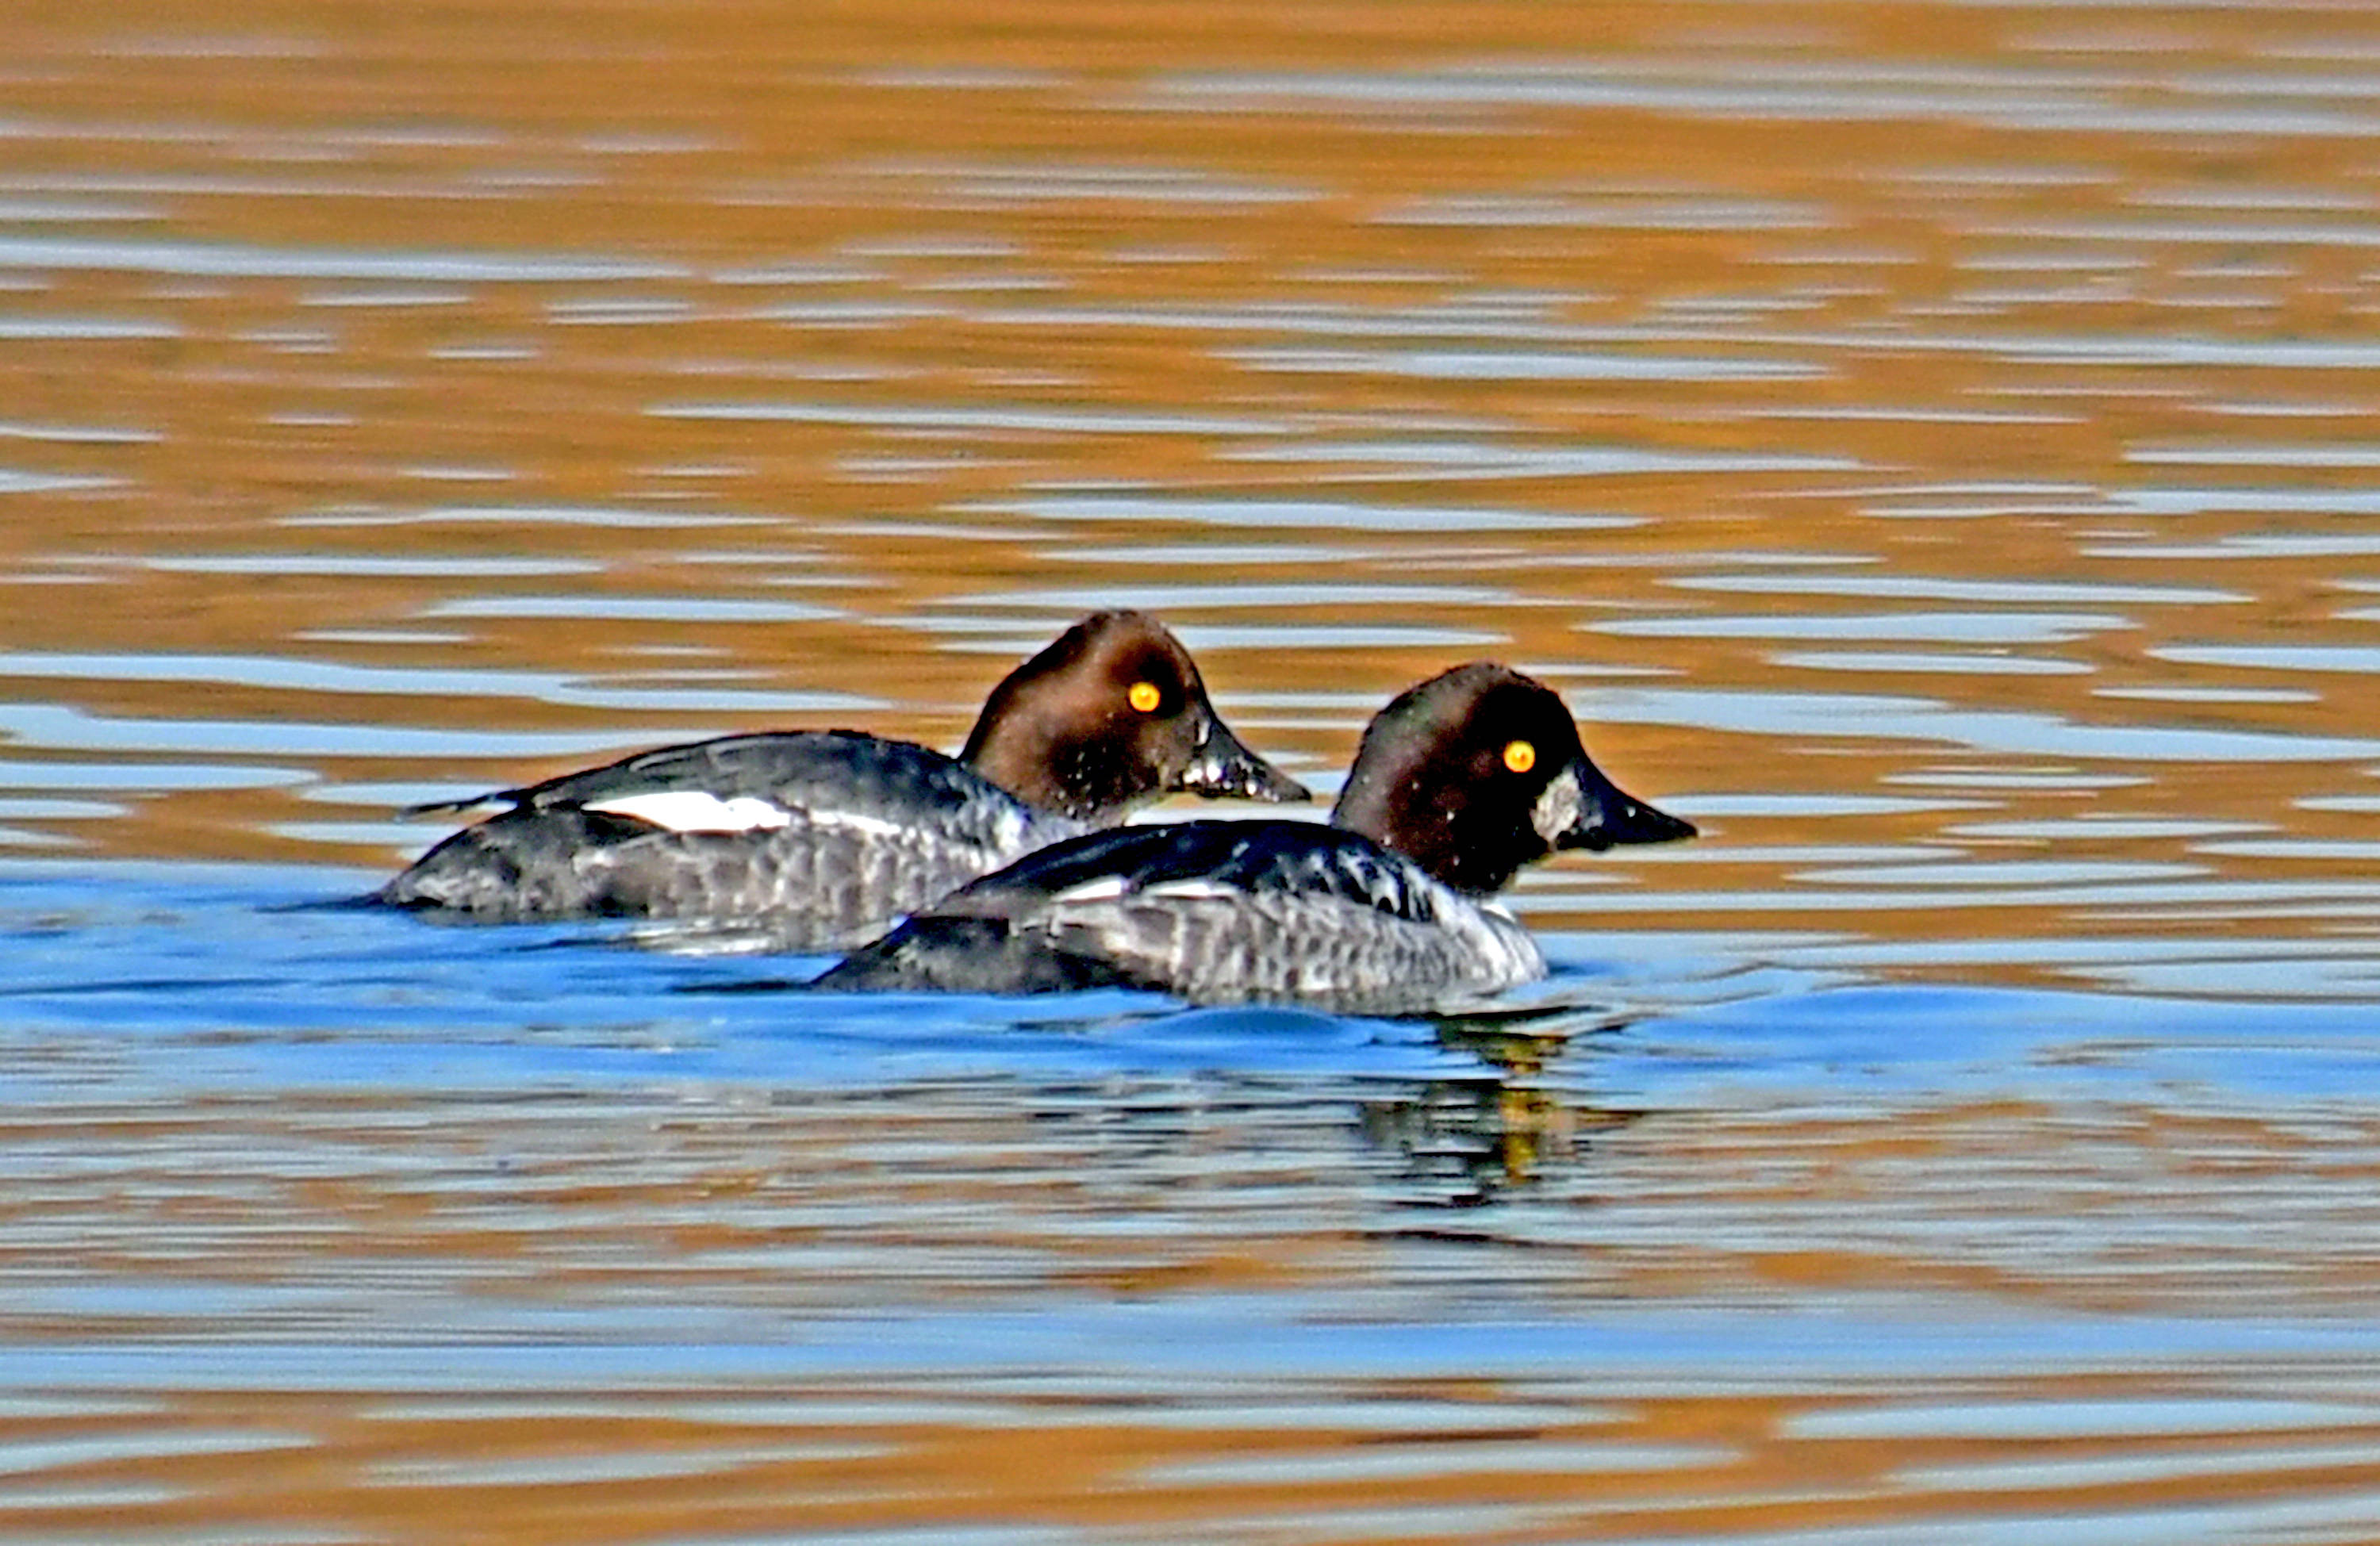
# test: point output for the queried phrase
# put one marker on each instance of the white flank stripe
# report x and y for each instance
(691, 810)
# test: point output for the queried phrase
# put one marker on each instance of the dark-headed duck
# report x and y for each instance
(1457, 784)
(820, 838)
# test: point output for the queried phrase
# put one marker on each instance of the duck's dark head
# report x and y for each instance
(1112, 714)
(1479, 771)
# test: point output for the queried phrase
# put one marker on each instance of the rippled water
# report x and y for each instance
(1930, 446)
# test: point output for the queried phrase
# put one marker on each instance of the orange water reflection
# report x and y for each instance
(1946, 410)
(1929, 444)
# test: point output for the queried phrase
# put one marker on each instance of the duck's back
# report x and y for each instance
(825, 836)
(1214, 912)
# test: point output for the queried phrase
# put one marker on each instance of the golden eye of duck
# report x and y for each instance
(1143, 696)
(1520, 757)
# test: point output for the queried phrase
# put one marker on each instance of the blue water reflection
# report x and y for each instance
(183, 976)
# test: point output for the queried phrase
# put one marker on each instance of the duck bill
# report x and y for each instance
(1590, 811)
(1224, 769)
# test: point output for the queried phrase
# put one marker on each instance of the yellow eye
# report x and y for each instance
(1520, 757)
(1143, 696)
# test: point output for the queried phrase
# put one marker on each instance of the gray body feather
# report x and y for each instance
(844, 833)
(1217, 913)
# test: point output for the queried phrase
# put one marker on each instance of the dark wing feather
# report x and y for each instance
(1258, 856)
(803, 770)
(1010, 932)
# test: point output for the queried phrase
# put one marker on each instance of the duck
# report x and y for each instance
(819, 839)
(1387, 910)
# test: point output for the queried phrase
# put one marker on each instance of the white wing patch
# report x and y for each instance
(1106, 887)
(828, 818)
(692, 809)
(1197, 890)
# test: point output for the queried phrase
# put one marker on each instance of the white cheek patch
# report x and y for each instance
(1556, 809)
(691, 810)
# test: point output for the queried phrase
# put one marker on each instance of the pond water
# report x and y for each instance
(1930, 446)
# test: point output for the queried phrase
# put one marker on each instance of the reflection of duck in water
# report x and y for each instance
(1466, 1139)
(1458, 783)
(820, 839)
